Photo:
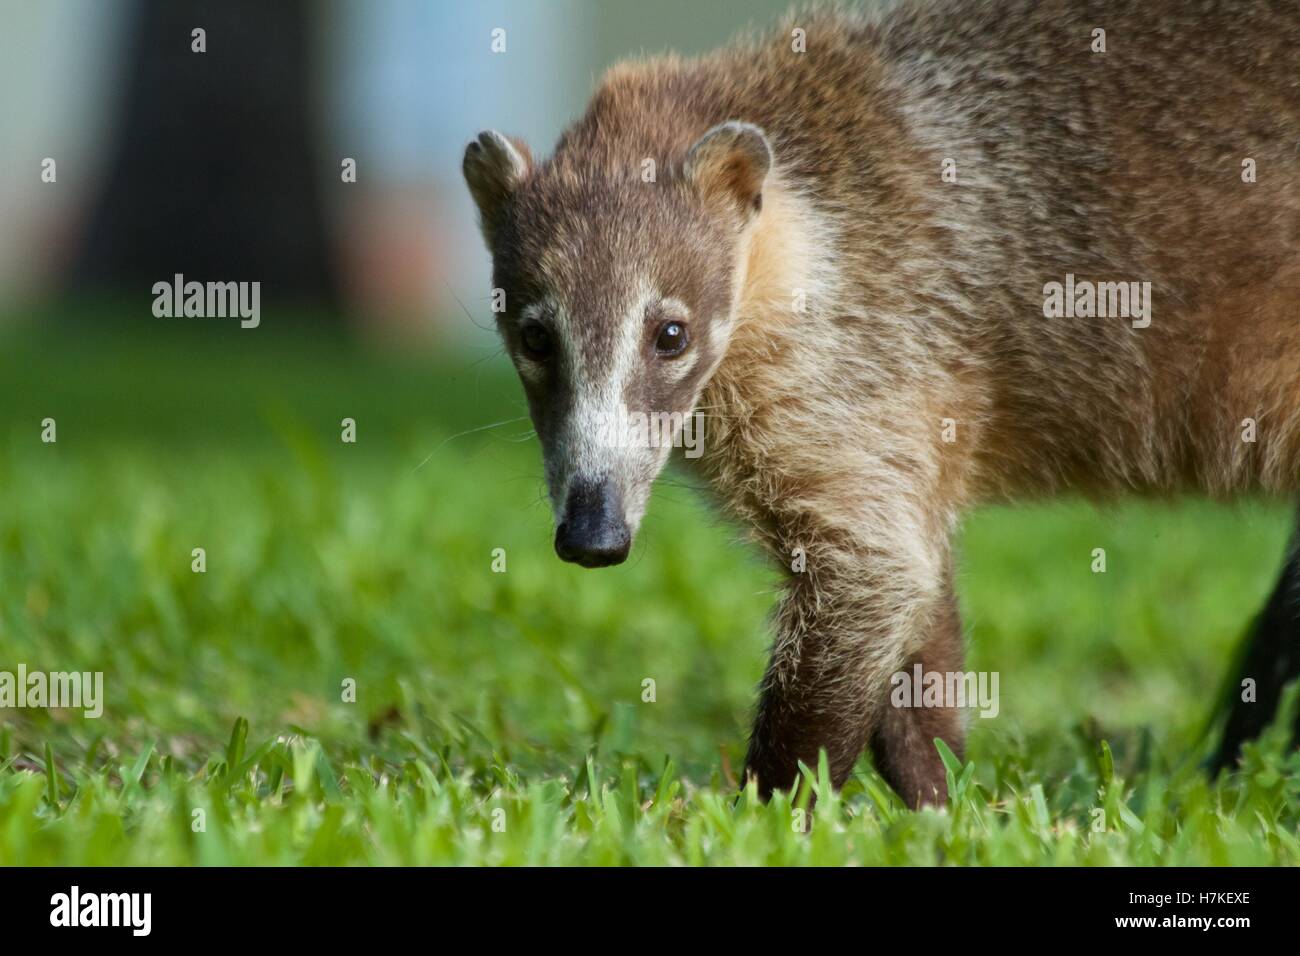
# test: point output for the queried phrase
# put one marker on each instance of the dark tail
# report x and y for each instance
(1271, 658)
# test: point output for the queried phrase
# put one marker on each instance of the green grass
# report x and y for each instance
(499, 716)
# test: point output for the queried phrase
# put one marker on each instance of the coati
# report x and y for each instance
(838, 242)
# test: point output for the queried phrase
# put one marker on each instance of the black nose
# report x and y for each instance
(593, 533)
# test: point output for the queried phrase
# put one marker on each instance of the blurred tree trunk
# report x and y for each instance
(216, 162)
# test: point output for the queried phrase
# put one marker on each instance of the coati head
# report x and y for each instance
(619, 300)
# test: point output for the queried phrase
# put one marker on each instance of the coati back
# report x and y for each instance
(953, 254)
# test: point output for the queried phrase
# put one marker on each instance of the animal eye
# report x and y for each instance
(672, 339)
(536, 340)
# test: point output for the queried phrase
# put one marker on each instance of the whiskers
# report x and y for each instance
(715, 413)
(471, 431)
(468, 314)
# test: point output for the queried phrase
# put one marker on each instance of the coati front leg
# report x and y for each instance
(854, 618)
(903, 742)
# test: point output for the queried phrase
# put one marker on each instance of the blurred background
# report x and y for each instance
(228, 164)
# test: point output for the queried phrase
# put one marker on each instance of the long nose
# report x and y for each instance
(593, 532)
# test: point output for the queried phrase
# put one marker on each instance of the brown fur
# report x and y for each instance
(924, 300)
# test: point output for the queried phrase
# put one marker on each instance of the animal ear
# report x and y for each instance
(730, 163)
(494, 166)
